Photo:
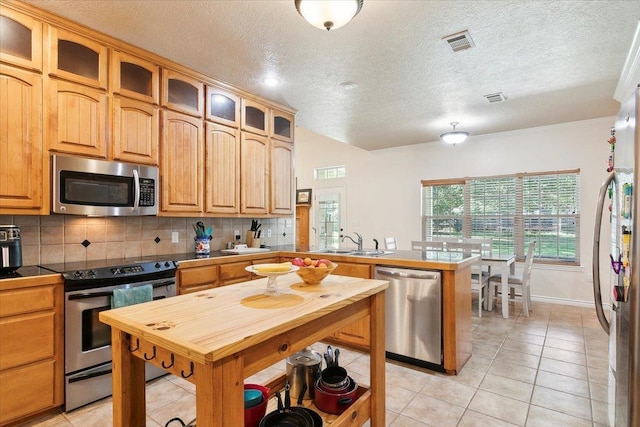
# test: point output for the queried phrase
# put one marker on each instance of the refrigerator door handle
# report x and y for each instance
(597, 294)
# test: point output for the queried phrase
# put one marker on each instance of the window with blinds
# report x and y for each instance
(510, 209)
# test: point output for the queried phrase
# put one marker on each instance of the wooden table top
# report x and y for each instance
(210, 325)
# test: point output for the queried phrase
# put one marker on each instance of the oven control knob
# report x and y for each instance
(167, 264)
(158, 265)
(92, 273)
(77, 274)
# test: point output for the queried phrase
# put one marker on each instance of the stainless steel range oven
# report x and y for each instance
(88, 291)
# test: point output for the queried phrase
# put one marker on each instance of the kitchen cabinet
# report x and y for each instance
(302, 227)
(76, 119)
(234, 272)
(181, 165)
(196, 279)
(21, 157)
(134, 77)
(222, 169)
(223, 107)
(76, 58)
(31, 346)
(21, 39)
(136, 127)
(182, 93)
(357, 334)
(281, 125)
(281, 178)
(254, 117)
(254, 174)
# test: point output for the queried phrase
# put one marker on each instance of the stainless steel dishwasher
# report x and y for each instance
(413, 306)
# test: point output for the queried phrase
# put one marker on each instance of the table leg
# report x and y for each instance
(505, 291)
(209, 398)
(377, 362)
(129, 409)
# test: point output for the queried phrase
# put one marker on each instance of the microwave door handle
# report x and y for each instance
(136, 189)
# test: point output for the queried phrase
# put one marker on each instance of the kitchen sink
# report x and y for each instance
(335, 251)
(370, 253)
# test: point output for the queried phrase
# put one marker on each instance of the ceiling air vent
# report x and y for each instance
(495, 97)
(459, 41)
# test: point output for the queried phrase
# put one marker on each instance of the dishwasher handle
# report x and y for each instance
(414, 274)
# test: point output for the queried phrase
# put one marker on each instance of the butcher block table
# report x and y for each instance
(217, 338)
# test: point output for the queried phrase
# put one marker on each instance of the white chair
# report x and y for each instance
(419, 245)
(521, 283)
(390, 243)
(479, 281)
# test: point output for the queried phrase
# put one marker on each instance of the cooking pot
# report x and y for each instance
(303, 369)
(10, 248)
(335, 402)
(334, 378)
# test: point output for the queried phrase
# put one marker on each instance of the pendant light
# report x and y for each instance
(328, 14)
(455, 136)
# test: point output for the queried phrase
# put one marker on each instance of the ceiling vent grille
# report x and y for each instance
(460, 41)
(495, 97)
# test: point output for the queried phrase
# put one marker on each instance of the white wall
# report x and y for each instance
(383, 186)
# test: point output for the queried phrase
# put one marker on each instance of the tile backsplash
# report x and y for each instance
(68, 238)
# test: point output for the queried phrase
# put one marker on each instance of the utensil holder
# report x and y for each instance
(202, 246)
(249, 239)
(255, 243)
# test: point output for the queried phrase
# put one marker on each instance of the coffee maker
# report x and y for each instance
(10, 249)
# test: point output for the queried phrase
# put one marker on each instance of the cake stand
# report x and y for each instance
(272, 285)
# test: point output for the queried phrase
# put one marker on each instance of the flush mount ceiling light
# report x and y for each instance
(455, 136)
(329, 14)
(271, 81)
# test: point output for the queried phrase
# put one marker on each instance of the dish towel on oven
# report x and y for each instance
(129, 296)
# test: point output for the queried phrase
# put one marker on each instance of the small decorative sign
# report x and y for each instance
(303, 197)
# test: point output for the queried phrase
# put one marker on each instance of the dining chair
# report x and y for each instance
(390, 243)
(420, 245)
(521, 283)
(479, 281)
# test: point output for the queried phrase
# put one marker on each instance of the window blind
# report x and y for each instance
(510, 209)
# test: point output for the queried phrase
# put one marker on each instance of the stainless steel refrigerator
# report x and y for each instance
(618, 205)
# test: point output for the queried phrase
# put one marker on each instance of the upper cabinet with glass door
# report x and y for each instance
(223, 107)
(255, 117)
(20, 39)
(182, 93)
(134, 77)
(77, 58)
(281, 126)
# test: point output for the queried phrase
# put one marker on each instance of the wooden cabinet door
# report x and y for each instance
(196, 279)
(254, 117)
(21, 174)
(223, 107)
(21, 39)
(356, 334)
(134, 77)
(182, 93)
(222, 169)
(77, 119)
(181, 150)
(281, 177)
(281, 126)
(136, 127)
(302, 227)
(77, 58)
(254, 181)
(234, 272)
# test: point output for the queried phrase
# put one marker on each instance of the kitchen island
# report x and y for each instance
(218, 337)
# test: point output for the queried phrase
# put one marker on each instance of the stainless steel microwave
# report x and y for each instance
(82, 186)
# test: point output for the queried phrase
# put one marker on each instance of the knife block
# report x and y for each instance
(249, 239)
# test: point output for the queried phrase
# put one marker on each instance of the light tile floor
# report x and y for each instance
(549, 369)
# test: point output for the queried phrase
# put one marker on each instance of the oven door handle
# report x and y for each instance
(88, 295)
(92, 373)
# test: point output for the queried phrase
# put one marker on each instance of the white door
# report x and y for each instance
(330, 217)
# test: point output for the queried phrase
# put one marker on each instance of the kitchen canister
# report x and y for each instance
(303, 367)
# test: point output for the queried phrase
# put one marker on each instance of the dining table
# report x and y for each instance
(506, 264)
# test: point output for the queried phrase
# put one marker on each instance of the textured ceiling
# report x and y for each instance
(555, 61)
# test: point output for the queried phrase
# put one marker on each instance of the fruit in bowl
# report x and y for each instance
(311, 271)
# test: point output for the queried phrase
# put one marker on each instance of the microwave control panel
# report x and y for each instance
(147, 192)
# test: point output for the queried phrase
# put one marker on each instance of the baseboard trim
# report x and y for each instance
(563, 301)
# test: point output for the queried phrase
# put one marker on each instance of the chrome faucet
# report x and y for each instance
(359, 242)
